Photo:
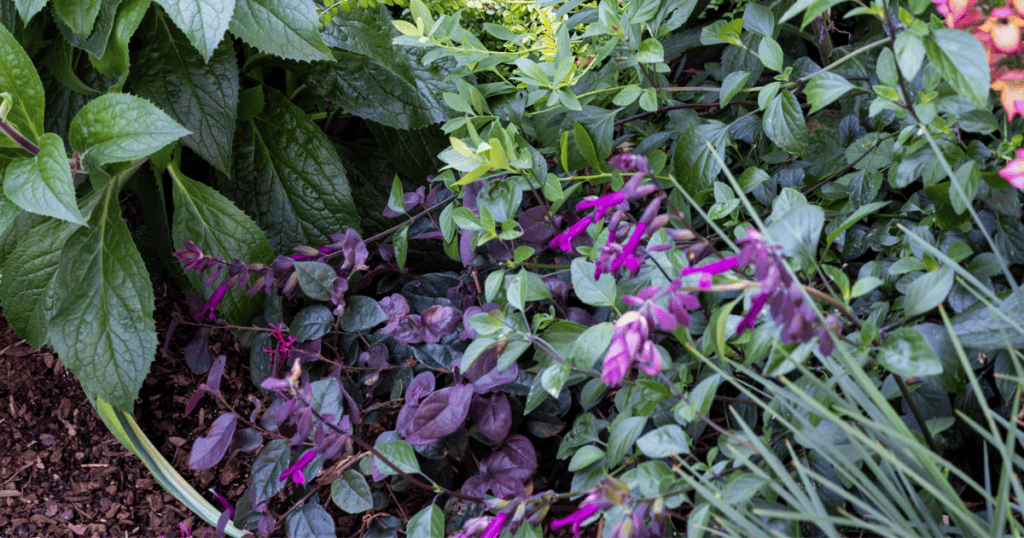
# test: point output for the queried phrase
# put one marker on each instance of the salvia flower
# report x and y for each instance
(211, 305)
(707, 271)
(563, 241)
(494, 528)
(627, 346)
(295, 471)
(576, 518)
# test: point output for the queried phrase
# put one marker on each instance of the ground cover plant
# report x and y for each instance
(625, 268)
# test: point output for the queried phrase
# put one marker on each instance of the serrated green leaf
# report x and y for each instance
(201, 93)
(784, 124)
(94, 41)
(426, 522)
(43, 184)
(58, 63)
(824, 88)
(284, 28)
(928, 291)
(121, 127)
(104, 329)
(211, 221)
(961, 60)
(19, 78)
(202, 21)
(114, 61)
(79, 15)
(351, 493)
(28, 8)
(377, 80)
(287, 175)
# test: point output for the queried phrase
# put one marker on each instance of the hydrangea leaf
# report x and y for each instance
(288, 176)
(18, 77)
(79, 15)
(207, 218)
(43, 184)
(121, 127)
(201, 96)
(283, 28)
(203, 21)
(103, 329)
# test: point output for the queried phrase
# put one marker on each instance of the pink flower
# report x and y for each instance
(576, 518)
(706, 271)
(627, 344)
(213, 303)
(603, 203)
(628, 255)
(295, 471)
(1014, 170)
(494, 529)
(564, 240)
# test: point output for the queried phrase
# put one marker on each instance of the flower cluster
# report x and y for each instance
(998, 29)
(643, 519)
(511, 514)
(623, 248)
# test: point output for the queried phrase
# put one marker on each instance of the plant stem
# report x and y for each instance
(18, 138)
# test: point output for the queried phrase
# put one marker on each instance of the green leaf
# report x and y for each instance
(310, 521)
(909, 54)
(591, 345)
(201, 93)
(399, 453)
(284, 28)
(28, 289)
(114, 60)
(624, 431)
(43, 184)
(19, 78)
(759, 19)
(361, 313)
(315, 279)
(203, 21)
(928, 291)
(121, 127)
(58, 62)
(311, 323)
(693, 162)
(79, 15)
(377, 80)
(584, 457)
(553, 378)
(810, 8)
(211, 221)
(860, 213)
(650, 52)
(770, 53)
(426, 522)
(351, 493)
(733, 83)
(961, 60)
(104, 329)
(585, 145)
(400, 240)
(799, 229)
(268, 466)
(594, 293)
(28, 8)
(824, 88)
(784, 124)
(95, 42)
(663, 442)
(906, 353)
(979, 327)
(287, 175)
(627, 95)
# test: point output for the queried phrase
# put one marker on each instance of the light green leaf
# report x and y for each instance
(650, 52)
(594, 293)
(199, 92)
(824, 88)
(906, 353)
(206, 217)
(315, 279)
(121, 127)
(28, 8)
(283, 28)
(784, 124)
(928, 291)
(663, 442)
(287, 175)
(399, 453)
(961, 60)
(733, 83)
(43, 184)
(627, 95)
(79, 15)
(203, 21)
(377, 80)
(426, 522)
(770, 53)
(103, 328)
(909, 54)
(759, 19)
(19, 78)
(585, 456)
(351, 493)
(624, 431)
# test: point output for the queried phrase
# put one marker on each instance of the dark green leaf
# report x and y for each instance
(203, 21)
(114, 61)
(928, 291)
(79, 15)
(784, 124)
(906, 353)
(283, 28)
(310, 521)
(207, 218)
(799, 229)
(269, 464)
(624, 431)
(121, 127)
(43, 184)
(824, 88)
(694, 164)
(663, 442)
(95, 41)
(311, 323)
(361, 313)
(103, 328)
(315, 279)
(19, 78)
(733, 83)
(351, 493)
(28, 8)
(201, 96)
(961, 60)
(426, 522)
(979, 327)
(287, 175)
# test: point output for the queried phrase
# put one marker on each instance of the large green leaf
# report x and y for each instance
(27, 290)
(426, 522)
(961, 60)
(906, 353)
(694, 163)
(980, 327)
(201, 96)
(203, 21)
(413, 152)
(94, 41)
(103, 329)
(28, 8)
(289, 177)
(784, 124)
(121, 127)
(377, 80)
(43, 184)
(19, 78)
(351, 493)
(284, 28)
(79, 15)
(310, 521)
(219, 228)
(114, 61)
(928, 291)
(825, 88)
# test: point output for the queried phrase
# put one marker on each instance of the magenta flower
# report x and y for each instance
(627, 344)
(494, 529)
(563, 240)
(627, 162)
(214, 302)
(628, 255)
(708, 270)
(576, 518)
(1014, 170)
(295, 471)
(228, 507)
(603, 203)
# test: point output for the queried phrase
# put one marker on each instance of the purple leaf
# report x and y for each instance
(521, 454)
(441, 413)
(507, 486)
(493, 415)
(421, 387)
(484, 371)
(197, 352)
(394, 305)
(208, 451)
(212, 385)
(535, 225)
(439, 321)
(406, 329)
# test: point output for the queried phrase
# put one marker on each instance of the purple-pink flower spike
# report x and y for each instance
(576, 518)
(214, 302)
(295, 471)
